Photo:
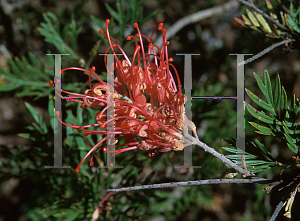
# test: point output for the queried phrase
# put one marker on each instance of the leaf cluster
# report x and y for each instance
(27, 74)
(257, 157)
(282, 119)
(123, 15)
(53, 35)
(289, 19)
(281, 123)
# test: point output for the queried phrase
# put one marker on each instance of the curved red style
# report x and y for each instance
(148, 106)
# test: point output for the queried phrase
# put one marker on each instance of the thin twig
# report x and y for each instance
(188, 183)
(215, 153)
(218, 155)
(198, 16)
(283, 7)
(277, 210)
(263, 14)
(265, 51)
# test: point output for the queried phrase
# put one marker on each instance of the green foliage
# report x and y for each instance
(126, 14)
(29, 75)
(53, 35)
(39, 124)
(257, 22)
(282, 121)
(76, 194)
(257, 157)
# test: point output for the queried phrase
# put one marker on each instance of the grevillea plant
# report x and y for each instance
(149, 113)
(148, 106)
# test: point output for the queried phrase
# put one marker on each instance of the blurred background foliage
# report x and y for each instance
(31, 29)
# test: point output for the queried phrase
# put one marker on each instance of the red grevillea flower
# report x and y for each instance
(148, 106)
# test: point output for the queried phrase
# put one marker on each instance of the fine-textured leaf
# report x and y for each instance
(291, 143)
(263, 22)
(289, 127)
(283, 103)
(15, 69)
(259, 115)
(38, 118)
(252, 18)
(51, 112)
(50, 30)
(260, 102)
(261, 129)
(80, 143)
(293, 24)
(32, 59)
(292, 147)
(11, 86)
(234, 157)
(255, 162)
(262, 87)
(292, 10)
(268, 87)
(263, 149)
(34, 80)
(295, 107)
(257, 156)
(112, 12)
(27, 136)
(277, 94)
(233, 150)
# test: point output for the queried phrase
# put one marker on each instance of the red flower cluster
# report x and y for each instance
(148, 107)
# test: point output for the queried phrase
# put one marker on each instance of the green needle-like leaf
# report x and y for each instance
(259, 115)
(51, 31)
(263, 149)
(291, 143)
(10, 87)
(261, 129)
(293, 24)
(113, 12)
(277, 94)
(268, 87)
(38, 118)
(260, 102)
(262, 87)
(283, 103)
(51, 112)
(257, 157)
